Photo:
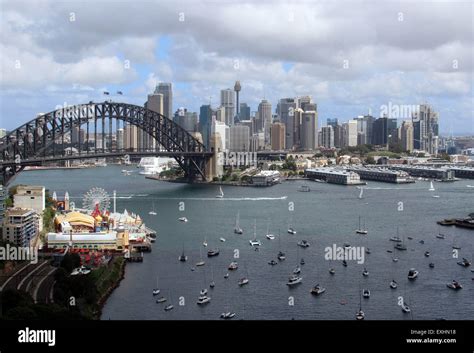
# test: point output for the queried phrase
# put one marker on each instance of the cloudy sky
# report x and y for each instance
(350, 56)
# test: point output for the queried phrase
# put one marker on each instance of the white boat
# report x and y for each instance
(294, 280)
(243, 281)
(366, 293)
(204, 299)
(360, 314)
(183, 219)
(152, 212)
(454, 285)
(361, 193)
(233, 266)
(297, 270)
(470, 186)
(281, 256)
(226, 275)
(303, 243)
(361, 230)
(222, 239)
(204, 243)
(200, 262)
(169, 307)
(221, 193)
(365, 273)
(161, 300)
(237, 229)
(154, 165)
(291, 230)
(228, 315)
(254, 241)
(182, 257)
(156, 291)
(393, 284)
(436, 196)
(304, 188)
(431, 186)
(317, 290)
(269, 235)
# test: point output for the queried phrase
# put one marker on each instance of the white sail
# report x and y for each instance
(431, 187)
(361, 193)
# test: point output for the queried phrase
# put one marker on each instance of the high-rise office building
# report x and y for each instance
(120, 139)
(286, 113)
(239, 138)
(228, 103)
(406, 136)
(327, 136)
(278, 136)
(166, 89)
(332, 122)
(206, 115)
(244, 112)
(380, 131)
(155, 102)
(265, 114)
(365, 125)
(350, 133)
(309, 130)
(130, 137)
(426, 129)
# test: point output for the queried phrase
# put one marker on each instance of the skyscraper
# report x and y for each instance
(228, 103)
(205, 121)
(278, 136)
(426, 128)
(244, 112)
(286, 112)
(155, 102)
(406, 136)
(265, 114)
(309, 130)
(327, 136)
(239, 138)
(166, 89)
(350, 133)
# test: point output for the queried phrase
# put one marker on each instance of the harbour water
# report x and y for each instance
(325, 216)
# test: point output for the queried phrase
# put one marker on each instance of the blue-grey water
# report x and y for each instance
(325, 216)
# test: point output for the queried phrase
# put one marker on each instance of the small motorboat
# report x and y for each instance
(360, 315)
(367, 250)
(396, 239)
(212, 284)
(156, 291)
(233, 266)
(169, 307)
(410, 238)
(393, 284)
(281, 256)
(161, 300)
(421, 241)
(291, 230)
(302, 262)
(347, 246)
(400, 246)
(226, 275)
(395, 259)
(222, 239)
(272, 262)
(270, 236)
(203, 299)
(427, 254)
(332, 271)
(317, 290)
(227, 316)
(212, 252)
(203, 292)
(412, 274)
(440, 236)
(365, 273)
(243, 281)
(366, 293)
(431, 265)
(297, 270)
(255, 242)
(183, 219)
(294, 280)
(200, 263)
(405, 308)
(454, 285)
(464, 263)
(303, 243)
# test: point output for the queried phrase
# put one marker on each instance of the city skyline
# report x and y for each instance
(370, 68)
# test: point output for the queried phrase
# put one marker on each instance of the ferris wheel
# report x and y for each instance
(96, 196)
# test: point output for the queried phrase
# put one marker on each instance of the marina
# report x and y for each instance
(265, 290)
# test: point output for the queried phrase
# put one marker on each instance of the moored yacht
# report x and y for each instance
(183, 219)
(233, 266)
(243, 281)
(464, 263)
(303, 243)
(294, 280)
(412, 274)
(366, 293)
(237, 229)
(317, 290)
(228, 315)
(454, 285)
(393, 284)
(212, 252)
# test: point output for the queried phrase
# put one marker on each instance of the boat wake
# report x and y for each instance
(223, 199)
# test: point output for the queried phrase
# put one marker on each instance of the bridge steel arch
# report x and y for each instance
(42, 139)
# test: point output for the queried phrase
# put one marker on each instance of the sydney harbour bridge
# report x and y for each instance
(47, 139)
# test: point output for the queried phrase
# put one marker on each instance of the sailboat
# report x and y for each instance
(153, 212)
(291, 230)
(440, 235)
(268, 235)
(200, 262)
(182, 257)
(156, 291)
(401, 245)
(237, 229)
(361, 230)
(361, 193)
(360, 314)
(254, 241)
(170, 305)
(212, 284)
(431, 186)
(204, 243)
(221, 193)
(281, 255)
